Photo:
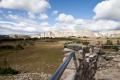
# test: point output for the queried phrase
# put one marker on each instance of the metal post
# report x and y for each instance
(57, 75)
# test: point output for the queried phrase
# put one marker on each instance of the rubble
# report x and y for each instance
(27, 76)
(109, 69)
(108, 66)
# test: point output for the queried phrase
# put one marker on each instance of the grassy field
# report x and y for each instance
(44, 55)
(40, 57)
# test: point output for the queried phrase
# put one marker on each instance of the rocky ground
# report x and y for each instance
(27, 76)
(109, 67)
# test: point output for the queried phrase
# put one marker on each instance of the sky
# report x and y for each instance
(35, 16)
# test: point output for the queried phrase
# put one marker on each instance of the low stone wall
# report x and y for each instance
(87, 66)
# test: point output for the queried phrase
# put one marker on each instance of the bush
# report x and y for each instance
(7, 47)
(85, 43)
(118, 42)
(78, 41)
(116, 48)
(19, 47)
(109, 42)
(86, 49)
(9, 70)
(85, 37)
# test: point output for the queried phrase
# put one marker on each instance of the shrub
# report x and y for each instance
(109, 42)
(85, 37)
(86, 49)
(118, 42)
(116, 48)
(9, 70)
(78, 41)
(85, 43)
(19, 47)
(7, 47)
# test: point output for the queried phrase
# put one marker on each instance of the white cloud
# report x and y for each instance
(55, 12)
(24, 27)
(22, 24)
(10, 12)
(80, 21)
(107, 17)
(100, 25)
(44, 24)
(66, 21)
(31, 15)
(43, 16)
(64, 26)
(108, 9)
(30, 5)
(29, 29)
(65, 18)
(10, 16)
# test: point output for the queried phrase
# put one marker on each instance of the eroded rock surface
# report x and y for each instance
(110, 69)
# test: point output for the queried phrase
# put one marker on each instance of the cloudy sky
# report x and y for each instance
(34, 16)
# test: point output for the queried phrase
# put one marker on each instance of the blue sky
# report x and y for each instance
(78, 8)
(34, 16)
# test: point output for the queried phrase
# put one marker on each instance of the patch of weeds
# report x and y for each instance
(9, 70)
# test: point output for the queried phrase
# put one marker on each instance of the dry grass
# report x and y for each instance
(41, 57)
